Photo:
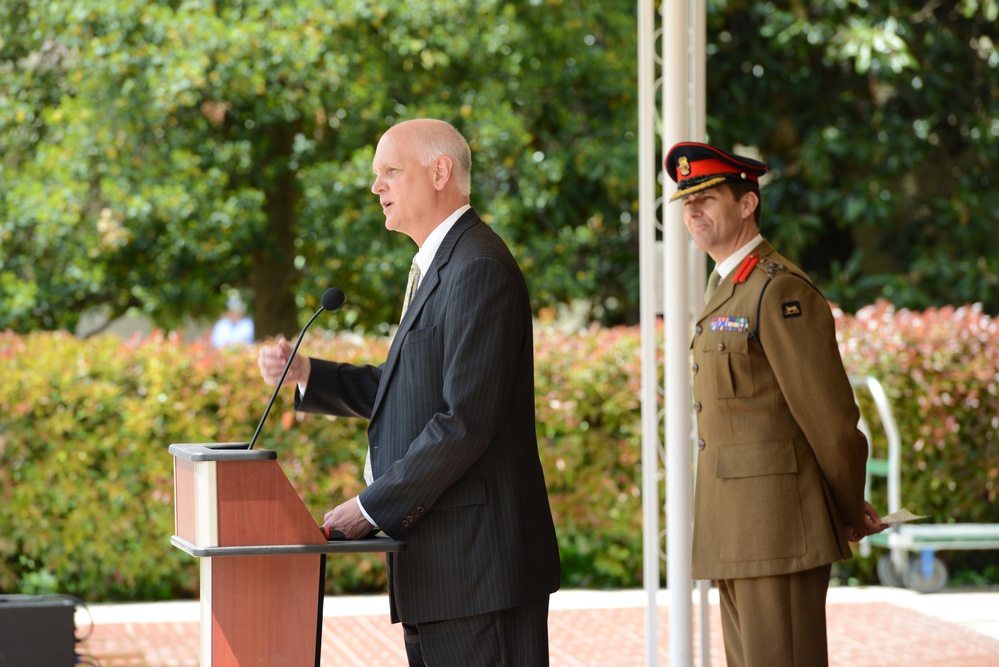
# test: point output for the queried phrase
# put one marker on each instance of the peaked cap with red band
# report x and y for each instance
(695, 167)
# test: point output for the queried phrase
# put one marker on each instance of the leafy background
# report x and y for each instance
(86, 482)
(155, 154)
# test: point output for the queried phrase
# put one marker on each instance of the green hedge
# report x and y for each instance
(86, 485)
(86, 481)
(940, 370)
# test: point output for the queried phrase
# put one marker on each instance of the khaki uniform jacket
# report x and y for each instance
(780, 464)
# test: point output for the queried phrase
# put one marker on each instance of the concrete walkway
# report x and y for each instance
(868, 627)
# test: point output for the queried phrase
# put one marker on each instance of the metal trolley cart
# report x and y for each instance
(925, 573)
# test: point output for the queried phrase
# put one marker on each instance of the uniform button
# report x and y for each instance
(700, 443)
(721, 347)
(695, 367)
(698, 329)
(697, 406)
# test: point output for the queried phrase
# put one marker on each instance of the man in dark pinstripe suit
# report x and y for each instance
(452, 440)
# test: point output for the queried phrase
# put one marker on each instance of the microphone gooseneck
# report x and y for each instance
(331, 300)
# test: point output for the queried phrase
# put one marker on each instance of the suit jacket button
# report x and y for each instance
(697, 406)
(700, 443)
(405, 523)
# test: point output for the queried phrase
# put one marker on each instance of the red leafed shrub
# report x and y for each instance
(940, 370)
(590, 434)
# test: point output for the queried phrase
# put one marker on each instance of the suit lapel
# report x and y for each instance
(428, 285)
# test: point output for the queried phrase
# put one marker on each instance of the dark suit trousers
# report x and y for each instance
(777, 621)
(515, 637)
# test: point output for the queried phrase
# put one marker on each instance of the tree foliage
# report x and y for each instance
(155, 154)
(878, 122)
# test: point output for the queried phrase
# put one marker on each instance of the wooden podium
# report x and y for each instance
(263, 556)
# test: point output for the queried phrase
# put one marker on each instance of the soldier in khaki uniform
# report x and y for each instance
(780, 470)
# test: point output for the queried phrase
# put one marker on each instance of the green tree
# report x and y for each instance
(878, 122)
(155, 153)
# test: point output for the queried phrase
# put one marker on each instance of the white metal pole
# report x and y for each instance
(698, 77)
(677, 95)
(647, 169)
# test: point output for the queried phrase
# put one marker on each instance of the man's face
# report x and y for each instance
(405, 188)
(718, 223)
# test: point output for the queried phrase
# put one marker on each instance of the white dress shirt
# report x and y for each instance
(728, 265)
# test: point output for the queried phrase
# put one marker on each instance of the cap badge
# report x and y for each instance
(683, 166)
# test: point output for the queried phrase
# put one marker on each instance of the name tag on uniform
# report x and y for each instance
(732, 324)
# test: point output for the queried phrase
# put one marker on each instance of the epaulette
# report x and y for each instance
(771, 267)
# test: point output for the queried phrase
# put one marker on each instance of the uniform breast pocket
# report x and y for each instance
(727, 355)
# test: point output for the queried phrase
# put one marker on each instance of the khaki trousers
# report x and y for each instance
(777, 621)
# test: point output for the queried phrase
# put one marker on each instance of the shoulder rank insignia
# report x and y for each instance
(772, 267)
(745, 267)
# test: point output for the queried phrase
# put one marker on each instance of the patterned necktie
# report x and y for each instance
(411, 287)
(713, 281)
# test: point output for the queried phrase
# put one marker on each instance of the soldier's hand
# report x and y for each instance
(872, 525)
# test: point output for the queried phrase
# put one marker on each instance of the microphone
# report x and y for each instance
(332, 299)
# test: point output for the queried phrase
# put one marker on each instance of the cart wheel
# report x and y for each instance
(888, 574)
(918, 581)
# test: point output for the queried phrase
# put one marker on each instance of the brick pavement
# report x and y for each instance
(861, 634)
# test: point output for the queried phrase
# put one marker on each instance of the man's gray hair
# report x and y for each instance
(447, 140)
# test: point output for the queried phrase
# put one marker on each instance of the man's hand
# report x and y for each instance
(348, 519)
(272, 358)
(872, 525)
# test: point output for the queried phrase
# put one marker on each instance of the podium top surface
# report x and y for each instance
(221, 451)
(380, 544)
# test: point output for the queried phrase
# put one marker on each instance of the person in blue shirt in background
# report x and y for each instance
(235, 327)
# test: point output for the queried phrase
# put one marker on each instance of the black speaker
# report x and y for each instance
(37, 631)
